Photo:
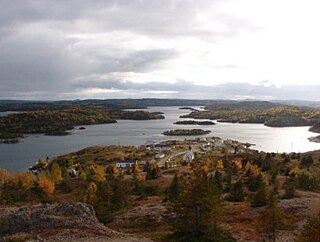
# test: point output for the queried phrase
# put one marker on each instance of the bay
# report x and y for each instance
(20, 156)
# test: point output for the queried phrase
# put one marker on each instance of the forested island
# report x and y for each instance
(182, 132)
(280, 116)
(57, 122)
(193, 122)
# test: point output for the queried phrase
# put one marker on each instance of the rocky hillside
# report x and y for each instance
(56, 222)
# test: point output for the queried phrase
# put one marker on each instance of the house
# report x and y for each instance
(188, 156)
(206, 146)
(159, 156)
(125, 164)
(73, 172)
(162, 147)
(218, 143)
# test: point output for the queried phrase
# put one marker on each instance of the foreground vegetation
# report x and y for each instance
(224, 194)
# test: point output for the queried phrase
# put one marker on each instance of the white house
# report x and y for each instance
(188, 156)
(218, 143)
(126, 164)
(159, 156)
(162, 147)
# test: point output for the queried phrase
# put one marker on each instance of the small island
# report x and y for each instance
(315, 128)
(182, 132)
(193, 122)
(315, 139)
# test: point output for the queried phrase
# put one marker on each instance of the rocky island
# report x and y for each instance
(193, 122)
(182, 132)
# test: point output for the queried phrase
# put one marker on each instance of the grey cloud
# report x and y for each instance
(184, 89)
(138, 61)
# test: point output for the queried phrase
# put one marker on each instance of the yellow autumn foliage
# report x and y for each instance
(219, 164)
(23, 180)
(295, 171)
(4, 174)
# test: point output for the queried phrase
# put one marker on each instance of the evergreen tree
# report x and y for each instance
(255, 182)
(174, 190)
(260, 198)
(228, 180)
(306, 161)
(271, 219)
(103, 205)
(153, 172)
(311, 230)
(198, 211)
(236, 193)
(290, 188)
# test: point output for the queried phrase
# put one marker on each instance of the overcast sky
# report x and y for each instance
(204, 49)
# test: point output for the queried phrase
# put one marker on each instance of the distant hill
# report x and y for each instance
(313, 104)
(9, 105)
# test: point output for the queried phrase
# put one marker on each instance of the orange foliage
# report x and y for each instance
(237, 164)
(46, 185)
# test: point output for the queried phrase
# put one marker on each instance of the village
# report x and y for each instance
(165, 155)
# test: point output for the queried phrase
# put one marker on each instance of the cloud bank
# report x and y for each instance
(151, 48)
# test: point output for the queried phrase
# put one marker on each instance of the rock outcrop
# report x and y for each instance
(53, 222)
(147, 215)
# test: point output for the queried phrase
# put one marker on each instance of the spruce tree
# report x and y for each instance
(236, 193)
(174, 190)
(271, 219)
(260, 198)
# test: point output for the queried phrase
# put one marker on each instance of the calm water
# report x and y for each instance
(18, 157)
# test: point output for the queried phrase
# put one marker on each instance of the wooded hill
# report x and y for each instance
(57, 121)
(280, 116)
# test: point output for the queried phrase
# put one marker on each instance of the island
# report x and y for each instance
(193, 122)
(315, 128)
(315, 139)
(58, 122)
(280, 116)
(183, 132)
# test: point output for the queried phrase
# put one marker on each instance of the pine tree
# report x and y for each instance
(217, 182)
(174, 190)
(311, 230)
(290, 188)
(103, 205)
(198, 211)
(153, 172)
(255, 182)
(236, 193)
(271, 219)
(260, 198)
(228, 180)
